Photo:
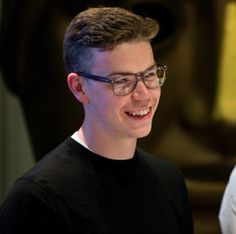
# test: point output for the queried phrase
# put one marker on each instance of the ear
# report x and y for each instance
(76, 85)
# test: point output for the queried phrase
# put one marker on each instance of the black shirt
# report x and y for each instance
(72, 190)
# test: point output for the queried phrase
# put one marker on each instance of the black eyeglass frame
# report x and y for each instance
(139, 76)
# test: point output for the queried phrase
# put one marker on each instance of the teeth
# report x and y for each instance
(139, 113)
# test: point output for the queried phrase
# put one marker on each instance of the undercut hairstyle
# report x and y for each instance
(103, 28)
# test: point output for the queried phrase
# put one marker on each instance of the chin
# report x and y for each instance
(143, 133)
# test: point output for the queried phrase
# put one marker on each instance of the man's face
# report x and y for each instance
(121, 117)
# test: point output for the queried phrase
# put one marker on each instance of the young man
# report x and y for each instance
(98, 181)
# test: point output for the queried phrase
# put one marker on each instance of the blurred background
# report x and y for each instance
(195, 125)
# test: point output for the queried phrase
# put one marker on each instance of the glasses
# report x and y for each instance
(125, 83)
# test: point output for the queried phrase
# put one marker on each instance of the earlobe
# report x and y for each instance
(76, 86)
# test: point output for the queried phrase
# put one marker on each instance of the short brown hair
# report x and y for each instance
(103, 28)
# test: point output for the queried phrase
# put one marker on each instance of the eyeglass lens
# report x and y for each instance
(125, 84)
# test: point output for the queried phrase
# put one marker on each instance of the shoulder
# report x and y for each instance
(63, 162)
(58, 177)
(232, 179)
(173, 183)
(230, 189)
(168, 174)
(162, 167)
(59, 173)
(24, 192)
(227, 211)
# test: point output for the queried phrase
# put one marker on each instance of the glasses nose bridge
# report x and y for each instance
(140, 76)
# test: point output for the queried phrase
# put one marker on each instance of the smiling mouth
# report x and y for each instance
(139, 113)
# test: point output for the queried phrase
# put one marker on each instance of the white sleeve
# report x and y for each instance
(227, 214)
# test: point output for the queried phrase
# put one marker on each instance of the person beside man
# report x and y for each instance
(227, 212)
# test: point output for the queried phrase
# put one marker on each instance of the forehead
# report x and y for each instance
(126, 57)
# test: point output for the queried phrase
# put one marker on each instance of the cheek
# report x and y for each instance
(113, 110)
(157, 95)
(104, 105)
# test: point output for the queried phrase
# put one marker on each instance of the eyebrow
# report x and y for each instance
(130, 73)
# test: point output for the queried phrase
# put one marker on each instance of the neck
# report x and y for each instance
(106, 146)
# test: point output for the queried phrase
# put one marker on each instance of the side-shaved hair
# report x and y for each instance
(103, 28)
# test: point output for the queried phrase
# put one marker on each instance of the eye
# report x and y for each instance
(160, 72)
(123, 80)
(151, 74)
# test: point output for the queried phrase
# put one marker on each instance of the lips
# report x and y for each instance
(139, 113)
